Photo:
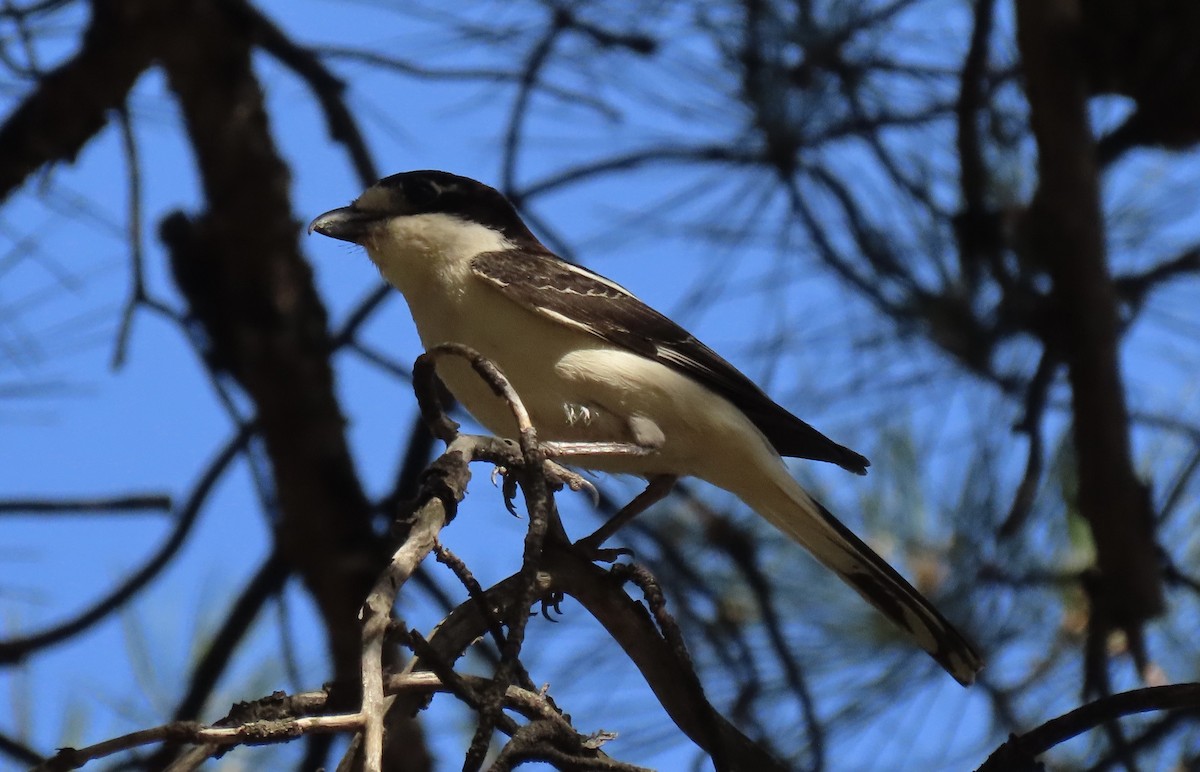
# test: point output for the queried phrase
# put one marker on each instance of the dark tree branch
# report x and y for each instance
(239, 266)
(487, 75)
(631, 627)
(116, 505)
(137, 290)
(538, 57)
(1020, 752)
(1133, 289)
(266, 584)
(1149, 738)
(1068, 229)
(328, 89)
(1031, 426)
(361, 314)
(1179, 487)
(744, 558)
(15, 649)
(974, 175)
(649, 156)
(72, 102)
(19, 751)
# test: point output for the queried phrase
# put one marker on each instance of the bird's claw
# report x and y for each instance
(508, 487)
(558, 474)
(597, 554)
(552, 601)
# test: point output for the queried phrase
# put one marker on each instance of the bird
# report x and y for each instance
(612, 384)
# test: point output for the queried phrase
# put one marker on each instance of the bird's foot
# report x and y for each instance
(551, 602)
(589, 547)
(558, 475)
(508, 487)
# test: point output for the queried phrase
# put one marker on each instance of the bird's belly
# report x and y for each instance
(557, 413)
(577, 387)
(560, 408)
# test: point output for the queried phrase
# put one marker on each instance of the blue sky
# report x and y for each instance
(149, 426)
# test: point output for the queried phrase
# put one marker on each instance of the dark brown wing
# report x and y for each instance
(572, 295)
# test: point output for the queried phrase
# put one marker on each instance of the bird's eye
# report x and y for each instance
(420, 193)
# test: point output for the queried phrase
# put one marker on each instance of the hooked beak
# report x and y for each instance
(345, 223)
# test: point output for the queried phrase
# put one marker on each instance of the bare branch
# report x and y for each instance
(266, 583)
(629, 625)
(485, 74)
(1020, 752)
(538, 56)
(18, 751)
(325, 86)
(137, 291)
(15, 649)
(1031, 426)
(117, 505)
(239, 266)
(72, 102)
(1067, 218)
(1135, 288)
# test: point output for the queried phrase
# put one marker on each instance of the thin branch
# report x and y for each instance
(539, 503)
(458, 685)
(19, 751)
(673, 636)
(741, 549)
(443, 486)
(264, 585)
(72, 101)
(659, 154)
(487, 75)
(137, 281)
(374, 356)
(258, 732)
(15, 649)
(376, 613)
(1179, 487)
(834, 259)
(474, 591)
(1031, 426)
(280, 718)
(359, 315)
(1135, 288)
(117, 505)
(1152, 736)
(325, 86)
(628, 624)
(974, 180)
(436, 510)
(519, 112)
(1019, 752)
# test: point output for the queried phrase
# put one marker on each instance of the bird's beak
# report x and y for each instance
(346, 223)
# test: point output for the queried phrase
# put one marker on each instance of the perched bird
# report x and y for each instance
(611, 383)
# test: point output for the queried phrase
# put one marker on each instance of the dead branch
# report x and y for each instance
(1020, 751)
(14, 649)
(115, 505)
(1068, 238)
(72, 102)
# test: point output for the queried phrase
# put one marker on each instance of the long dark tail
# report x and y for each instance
(801, 517)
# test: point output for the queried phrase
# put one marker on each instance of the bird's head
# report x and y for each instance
(426, 212)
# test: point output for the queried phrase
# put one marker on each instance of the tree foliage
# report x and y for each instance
(965, 235)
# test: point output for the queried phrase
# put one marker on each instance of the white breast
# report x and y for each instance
(574, 385)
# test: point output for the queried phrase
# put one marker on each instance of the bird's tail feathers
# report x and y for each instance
(802, 518)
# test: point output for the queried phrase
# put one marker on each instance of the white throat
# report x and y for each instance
(413, 252)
